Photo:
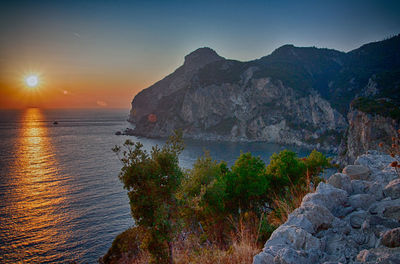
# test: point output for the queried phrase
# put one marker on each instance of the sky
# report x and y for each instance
(99, 54)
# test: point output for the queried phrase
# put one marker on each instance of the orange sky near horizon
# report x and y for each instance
(58, 93)
(59, 89)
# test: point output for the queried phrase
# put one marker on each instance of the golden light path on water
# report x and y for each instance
(36, 199)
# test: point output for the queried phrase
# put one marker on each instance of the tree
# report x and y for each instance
(247, 184)
(315, 163)
(152, 180)
(203, 195)
(285, 169)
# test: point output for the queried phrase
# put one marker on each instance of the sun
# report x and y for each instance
(32, 80)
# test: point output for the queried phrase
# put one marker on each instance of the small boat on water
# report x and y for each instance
(55, 123)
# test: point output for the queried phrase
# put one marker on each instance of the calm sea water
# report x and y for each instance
(60, 197)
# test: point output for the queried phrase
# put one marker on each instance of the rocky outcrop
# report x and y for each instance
(240, 112)
(147, 101)
(293, 96)
(366, 132)
(349, 219)
(221, 99)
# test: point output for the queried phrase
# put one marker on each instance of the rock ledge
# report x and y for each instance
(353, 218)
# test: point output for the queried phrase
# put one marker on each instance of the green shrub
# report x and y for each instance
(246, 184)
(152, 180)
(203, 195)
(285, 169)
(316, 162)
(293, 179)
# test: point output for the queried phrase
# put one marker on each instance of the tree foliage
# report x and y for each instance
(152, 180)
(203, 194)
(210, 199)
(247, 184)
(285, 169)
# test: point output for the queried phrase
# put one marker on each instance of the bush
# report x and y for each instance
(285, 169)
(215, 209)
(152, 180)
(294, 179)
(247, 185)
(381, 107)
(203, 195)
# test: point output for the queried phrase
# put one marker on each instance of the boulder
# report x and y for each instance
(341, 181)
(391, 238)
(381, 206)
(328, 196)
(339, 247)
(293, 237)
(376, 189)
(392, 190)
(367, 187)
(362, 201)
(299, 220)
(357, 218)
(374, 160)
(311, 217)
(360, 186)
(357, 172)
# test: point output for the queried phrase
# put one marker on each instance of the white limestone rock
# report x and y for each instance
(341, 181)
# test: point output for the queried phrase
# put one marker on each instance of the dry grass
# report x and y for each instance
(283, 206)
(192, 250)
(241, 250)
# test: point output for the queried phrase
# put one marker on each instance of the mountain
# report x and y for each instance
(295, 95)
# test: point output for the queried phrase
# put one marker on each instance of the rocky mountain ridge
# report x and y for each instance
(353, 218)
(295, 95)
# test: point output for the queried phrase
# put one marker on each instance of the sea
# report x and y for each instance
(60, 197)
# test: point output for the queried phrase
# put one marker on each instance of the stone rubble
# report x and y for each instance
(353, 218)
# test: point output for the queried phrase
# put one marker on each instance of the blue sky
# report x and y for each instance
(132, 44)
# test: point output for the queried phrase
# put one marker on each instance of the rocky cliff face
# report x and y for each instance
(353, 218)
(365, 132)
(251, 109)
(148, 100)
(293, 96)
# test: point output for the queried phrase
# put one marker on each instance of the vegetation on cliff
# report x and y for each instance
(383, 107)
(210, 213)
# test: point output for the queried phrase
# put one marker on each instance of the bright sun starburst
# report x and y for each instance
(32, 80)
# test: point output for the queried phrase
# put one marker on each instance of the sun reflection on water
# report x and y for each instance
(36, 196)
